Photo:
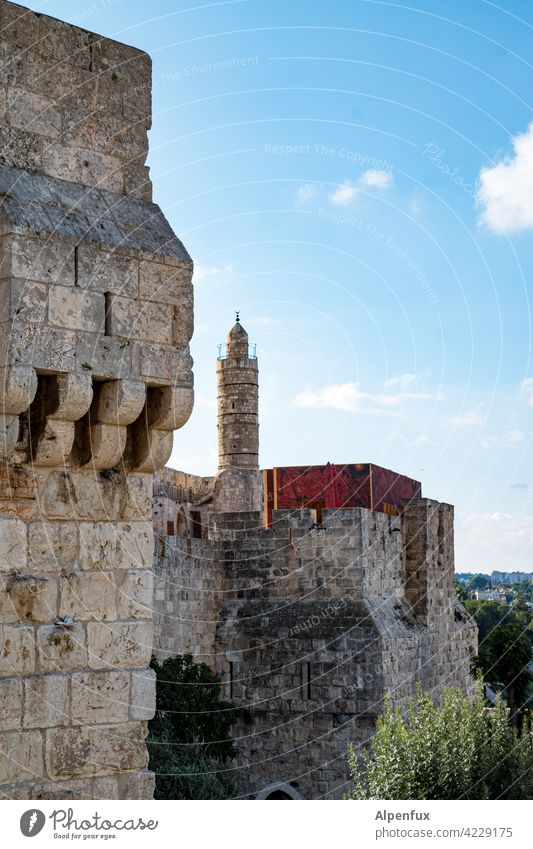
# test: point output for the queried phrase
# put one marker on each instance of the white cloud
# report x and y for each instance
(488, 541)
(506, 190)
(405, 381)
(508, 439)
(343, 194)
(527, 390)
(212, 275)
(346, 192)
(376, 179)
(467, 419)
(348, 397)
(305, 193)
(421, 439)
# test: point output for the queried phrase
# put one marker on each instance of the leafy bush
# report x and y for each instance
(458, 750)
(189, 741)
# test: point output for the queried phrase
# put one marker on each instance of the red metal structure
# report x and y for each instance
(336, 486)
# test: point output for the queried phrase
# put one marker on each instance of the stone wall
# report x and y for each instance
(315, 625)
(95, 374)
(188, 593)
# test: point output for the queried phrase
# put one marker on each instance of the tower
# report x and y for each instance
(237, 483)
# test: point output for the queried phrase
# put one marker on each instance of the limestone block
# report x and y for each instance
(10, 703)
(52, 546)
(20, 149)
(18, 386)
(136, 785)
(135, 545)
(9, 432)
(48, 259)
(122, 644)
(165, 283)
(135, 594)
(158, 361)
(137, 501)
(100, 697)
(98, 545)
(169, 407)
(27, 598)
(79, 495)
(23, 299)
(143, 694)
(29, 111)
(21, 756)
(76, 309)
(54, 444)
(107, 444)
(13, 544)
(183, 325)
(88, 595)
(95, 750)
(46, 701)
(135, 319)
(105, 357)
(83, 166)
(120, 402)
(107, 270)
(17, 650)
(61, 647)
(74, 396)
(37, 345)
(152, 449)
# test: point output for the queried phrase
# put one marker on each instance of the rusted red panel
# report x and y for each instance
(337, 487)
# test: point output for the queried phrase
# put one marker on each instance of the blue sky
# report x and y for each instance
(357, 178)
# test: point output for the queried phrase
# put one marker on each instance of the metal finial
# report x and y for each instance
(237, 318)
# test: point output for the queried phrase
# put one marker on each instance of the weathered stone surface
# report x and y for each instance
(119, 644)
(21, 756)
(17, 650)
(13, 544)
(143, 694)
(135, 594)
(10, 704)
(93, 750)
(27, 598)
(120, 402)
(53, 546)
(88, 595)
(18, 386)
(60, 648)
(46, 701)
(100, 697)
(75, 309)
(76, 222)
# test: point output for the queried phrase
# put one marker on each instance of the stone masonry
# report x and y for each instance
(95, 374)
(309, 625)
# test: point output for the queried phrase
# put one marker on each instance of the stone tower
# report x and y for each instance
(237, 485)
(95, 374)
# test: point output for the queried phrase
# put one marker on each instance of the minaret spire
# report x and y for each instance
(237, 485)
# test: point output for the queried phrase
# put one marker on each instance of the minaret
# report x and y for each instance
(237, 483)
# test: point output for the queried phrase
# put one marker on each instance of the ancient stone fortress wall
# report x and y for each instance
(96, 313)
(181, 503)
(315, 625)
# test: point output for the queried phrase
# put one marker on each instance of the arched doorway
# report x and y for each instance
(279, 791)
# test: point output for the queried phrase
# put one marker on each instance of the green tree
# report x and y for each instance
(191, 750)
(503, 658)
(456, 750)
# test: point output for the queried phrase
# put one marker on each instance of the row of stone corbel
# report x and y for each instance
(153, 414)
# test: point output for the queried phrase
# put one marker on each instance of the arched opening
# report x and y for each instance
(279, 791)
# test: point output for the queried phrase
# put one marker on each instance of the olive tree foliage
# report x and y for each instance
(189, 740)
(460, 749)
